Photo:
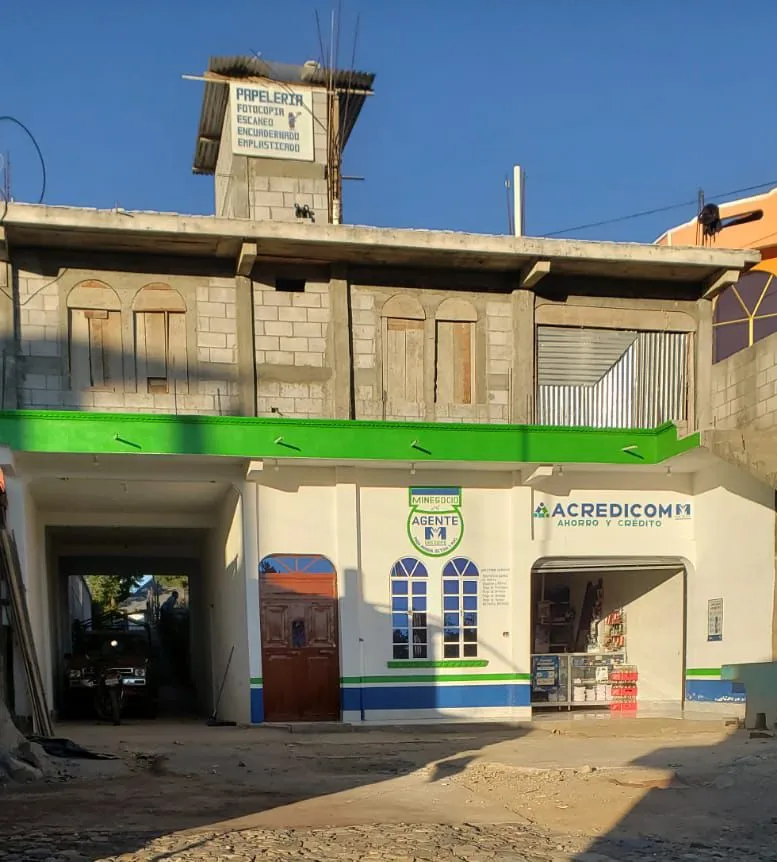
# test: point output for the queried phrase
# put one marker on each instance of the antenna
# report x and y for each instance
(510, 222)
(5, 177)
(339, 105)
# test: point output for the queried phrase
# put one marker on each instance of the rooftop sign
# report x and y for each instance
(271, 121)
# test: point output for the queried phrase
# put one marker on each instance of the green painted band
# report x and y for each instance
(343, 440)
(702, 671)
(451, 662)
(256, 680)
(436, 678)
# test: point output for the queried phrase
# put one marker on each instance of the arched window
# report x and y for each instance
(409, 582)
(403, 349)
(746, 312)
(160, 339)
(454, 363)
(94, 336)
(301, 564)
(460, 608)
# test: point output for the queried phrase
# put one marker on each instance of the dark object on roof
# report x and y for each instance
(354, 88)
(712, 223)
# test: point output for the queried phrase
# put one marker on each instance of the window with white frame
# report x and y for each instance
(460, 608)
(409, 594)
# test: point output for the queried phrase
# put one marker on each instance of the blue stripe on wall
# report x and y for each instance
(257, 706)
(714, 691)
(435, 697)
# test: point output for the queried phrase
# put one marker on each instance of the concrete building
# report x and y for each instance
(395, 465)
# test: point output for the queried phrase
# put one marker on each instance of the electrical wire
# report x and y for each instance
(20, 124)
(656, 210)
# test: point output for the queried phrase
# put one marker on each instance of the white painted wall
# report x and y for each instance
(734, 560)
(29, 532)
(225, 590)
(653, 606)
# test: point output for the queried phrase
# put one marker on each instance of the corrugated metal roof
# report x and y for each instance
(568, 356)
(353, 86)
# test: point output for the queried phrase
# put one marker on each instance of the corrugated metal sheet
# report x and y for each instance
(603, 564)
(578, 357)
(214, 101)
(611, 378)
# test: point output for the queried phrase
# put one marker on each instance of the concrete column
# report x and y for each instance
(28, 531)
(521, 560)
(522, 395)
(8, 351)
(342, 358)
(429, 413)
(246, 355)
(700, 397)
(349, 585)
(250, 494)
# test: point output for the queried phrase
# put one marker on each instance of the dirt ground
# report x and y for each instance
(554, 790)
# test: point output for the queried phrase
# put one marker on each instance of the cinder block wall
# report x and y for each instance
(45, 343)
(268, 189)
(293, 343)
(492, 346)
(744, 388)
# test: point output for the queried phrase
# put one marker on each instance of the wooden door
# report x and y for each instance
(300, 650)
(403, 363)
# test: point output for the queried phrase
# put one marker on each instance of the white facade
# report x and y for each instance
(716, 524)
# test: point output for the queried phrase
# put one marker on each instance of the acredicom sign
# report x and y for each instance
(271, 121)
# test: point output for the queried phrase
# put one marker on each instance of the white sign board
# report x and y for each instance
(272, 121)
(715, 620)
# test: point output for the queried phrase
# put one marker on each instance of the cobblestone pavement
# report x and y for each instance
(374, 843)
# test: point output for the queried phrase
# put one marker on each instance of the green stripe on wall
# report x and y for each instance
(436, 678)
(256, 680)
(703, 671)
(246, 437)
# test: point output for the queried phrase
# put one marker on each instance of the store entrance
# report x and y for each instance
(608, 634)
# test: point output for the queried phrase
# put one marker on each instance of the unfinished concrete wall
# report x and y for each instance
(431, 355)
(294, 343)
(268, 189)
(744, 388)
(118, 340)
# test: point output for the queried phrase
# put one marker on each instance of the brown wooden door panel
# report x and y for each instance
(300, 650)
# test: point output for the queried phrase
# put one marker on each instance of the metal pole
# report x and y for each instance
(518, 200)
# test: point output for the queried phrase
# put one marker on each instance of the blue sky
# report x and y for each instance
(612, 107)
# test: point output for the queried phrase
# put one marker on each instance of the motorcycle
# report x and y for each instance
(109, 694)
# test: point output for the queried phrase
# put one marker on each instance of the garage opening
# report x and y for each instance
(131, 599)
(607, 633)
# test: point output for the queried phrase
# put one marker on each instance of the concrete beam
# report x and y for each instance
(247, 258)
(7, 462)
(254, 471)
(720, 282)
(69, 227)
(541, 473)
(533, 274)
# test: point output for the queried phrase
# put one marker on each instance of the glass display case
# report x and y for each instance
(573, 679)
